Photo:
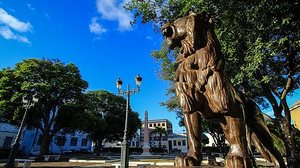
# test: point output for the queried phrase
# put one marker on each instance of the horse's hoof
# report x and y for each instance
(183, 161)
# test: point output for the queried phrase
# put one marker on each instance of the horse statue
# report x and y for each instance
(205, 91)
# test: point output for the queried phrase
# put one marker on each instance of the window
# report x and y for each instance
(60, 140)
(73, 141)
(183, 143)
(154, 124)
(150, 125)
(163, 124)
(7, 142)
(158, 124)
(84, 142)
(133, 144)
(179, 143)
(174, 143)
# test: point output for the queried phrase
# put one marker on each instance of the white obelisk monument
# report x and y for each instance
(146, 146)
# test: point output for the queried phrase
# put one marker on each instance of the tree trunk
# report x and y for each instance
(98, 147)
(287, 134)
(45, 141)
(289, 142)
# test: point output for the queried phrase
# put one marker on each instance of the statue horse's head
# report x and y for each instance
(187, 33)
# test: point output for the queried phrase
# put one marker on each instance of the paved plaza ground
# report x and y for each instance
(93, 161)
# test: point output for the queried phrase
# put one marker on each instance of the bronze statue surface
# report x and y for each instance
(205, 91)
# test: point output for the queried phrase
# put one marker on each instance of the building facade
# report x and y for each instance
(154, 139)
(169, 141)
(7, 135)
(177, 143)
(31, 140)
(295, 113)
(61, 143)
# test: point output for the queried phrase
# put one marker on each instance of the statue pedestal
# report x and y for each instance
(146, 150)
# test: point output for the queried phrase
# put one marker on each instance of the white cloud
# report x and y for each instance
(9, 26)
(149, 37)
(96, 28)
(6, 33)
(30, 7)
(13, 22)
(46, 15)
(111, 10)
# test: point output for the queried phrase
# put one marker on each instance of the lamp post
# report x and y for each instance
(28, 102)
(127, 93)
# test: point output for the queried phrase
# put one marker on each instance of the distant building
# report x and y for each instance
(134, 142)
(177, 142)
(31, 140)
(173, 142)
(295, 113)
(8, 134)
(61, 143)
(154, 138)
(162, 123)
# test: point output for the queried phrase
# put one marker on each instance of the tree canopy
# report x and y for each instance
(107, 117)
(160, 131)
(58, 87)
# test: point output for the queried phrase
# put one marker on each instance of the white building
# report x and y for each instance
(172, 142)
(177, 142)
(154, 137)
(134, 142)
(61, 143)
(7, 135)
(31, 140)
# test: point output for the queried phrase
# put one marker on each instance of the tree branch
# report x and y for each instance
(53, 115)
(268, 94)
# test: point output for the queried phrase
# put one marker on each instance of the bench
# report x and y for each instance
(48, 157)
(26, 162)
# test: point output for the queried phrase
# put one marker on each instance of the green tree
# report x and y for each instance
(216, 131)
(160, 131)
(260, 41)
(107, 118)
(59, 87)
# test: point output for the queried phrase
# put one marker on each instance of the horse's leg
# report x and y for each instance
(194, 131)
(194, 136)
(263, 141)
(261, 136)
(235, 133)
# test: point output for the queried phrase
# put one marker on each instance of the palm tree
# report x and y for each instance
(160, 131)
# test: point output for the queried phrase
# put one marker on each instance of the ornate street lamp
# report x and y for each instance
(127, 93)
(28, 101)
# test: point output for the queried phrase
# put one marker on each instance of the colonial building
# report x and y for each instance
(177, 143)
(31, 140)
(166, 141)
(154, 139)
(7, 135)
(61, 143)
(295, 113)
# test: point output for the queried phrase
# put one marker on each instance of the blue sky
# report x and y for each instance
(97, 37)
